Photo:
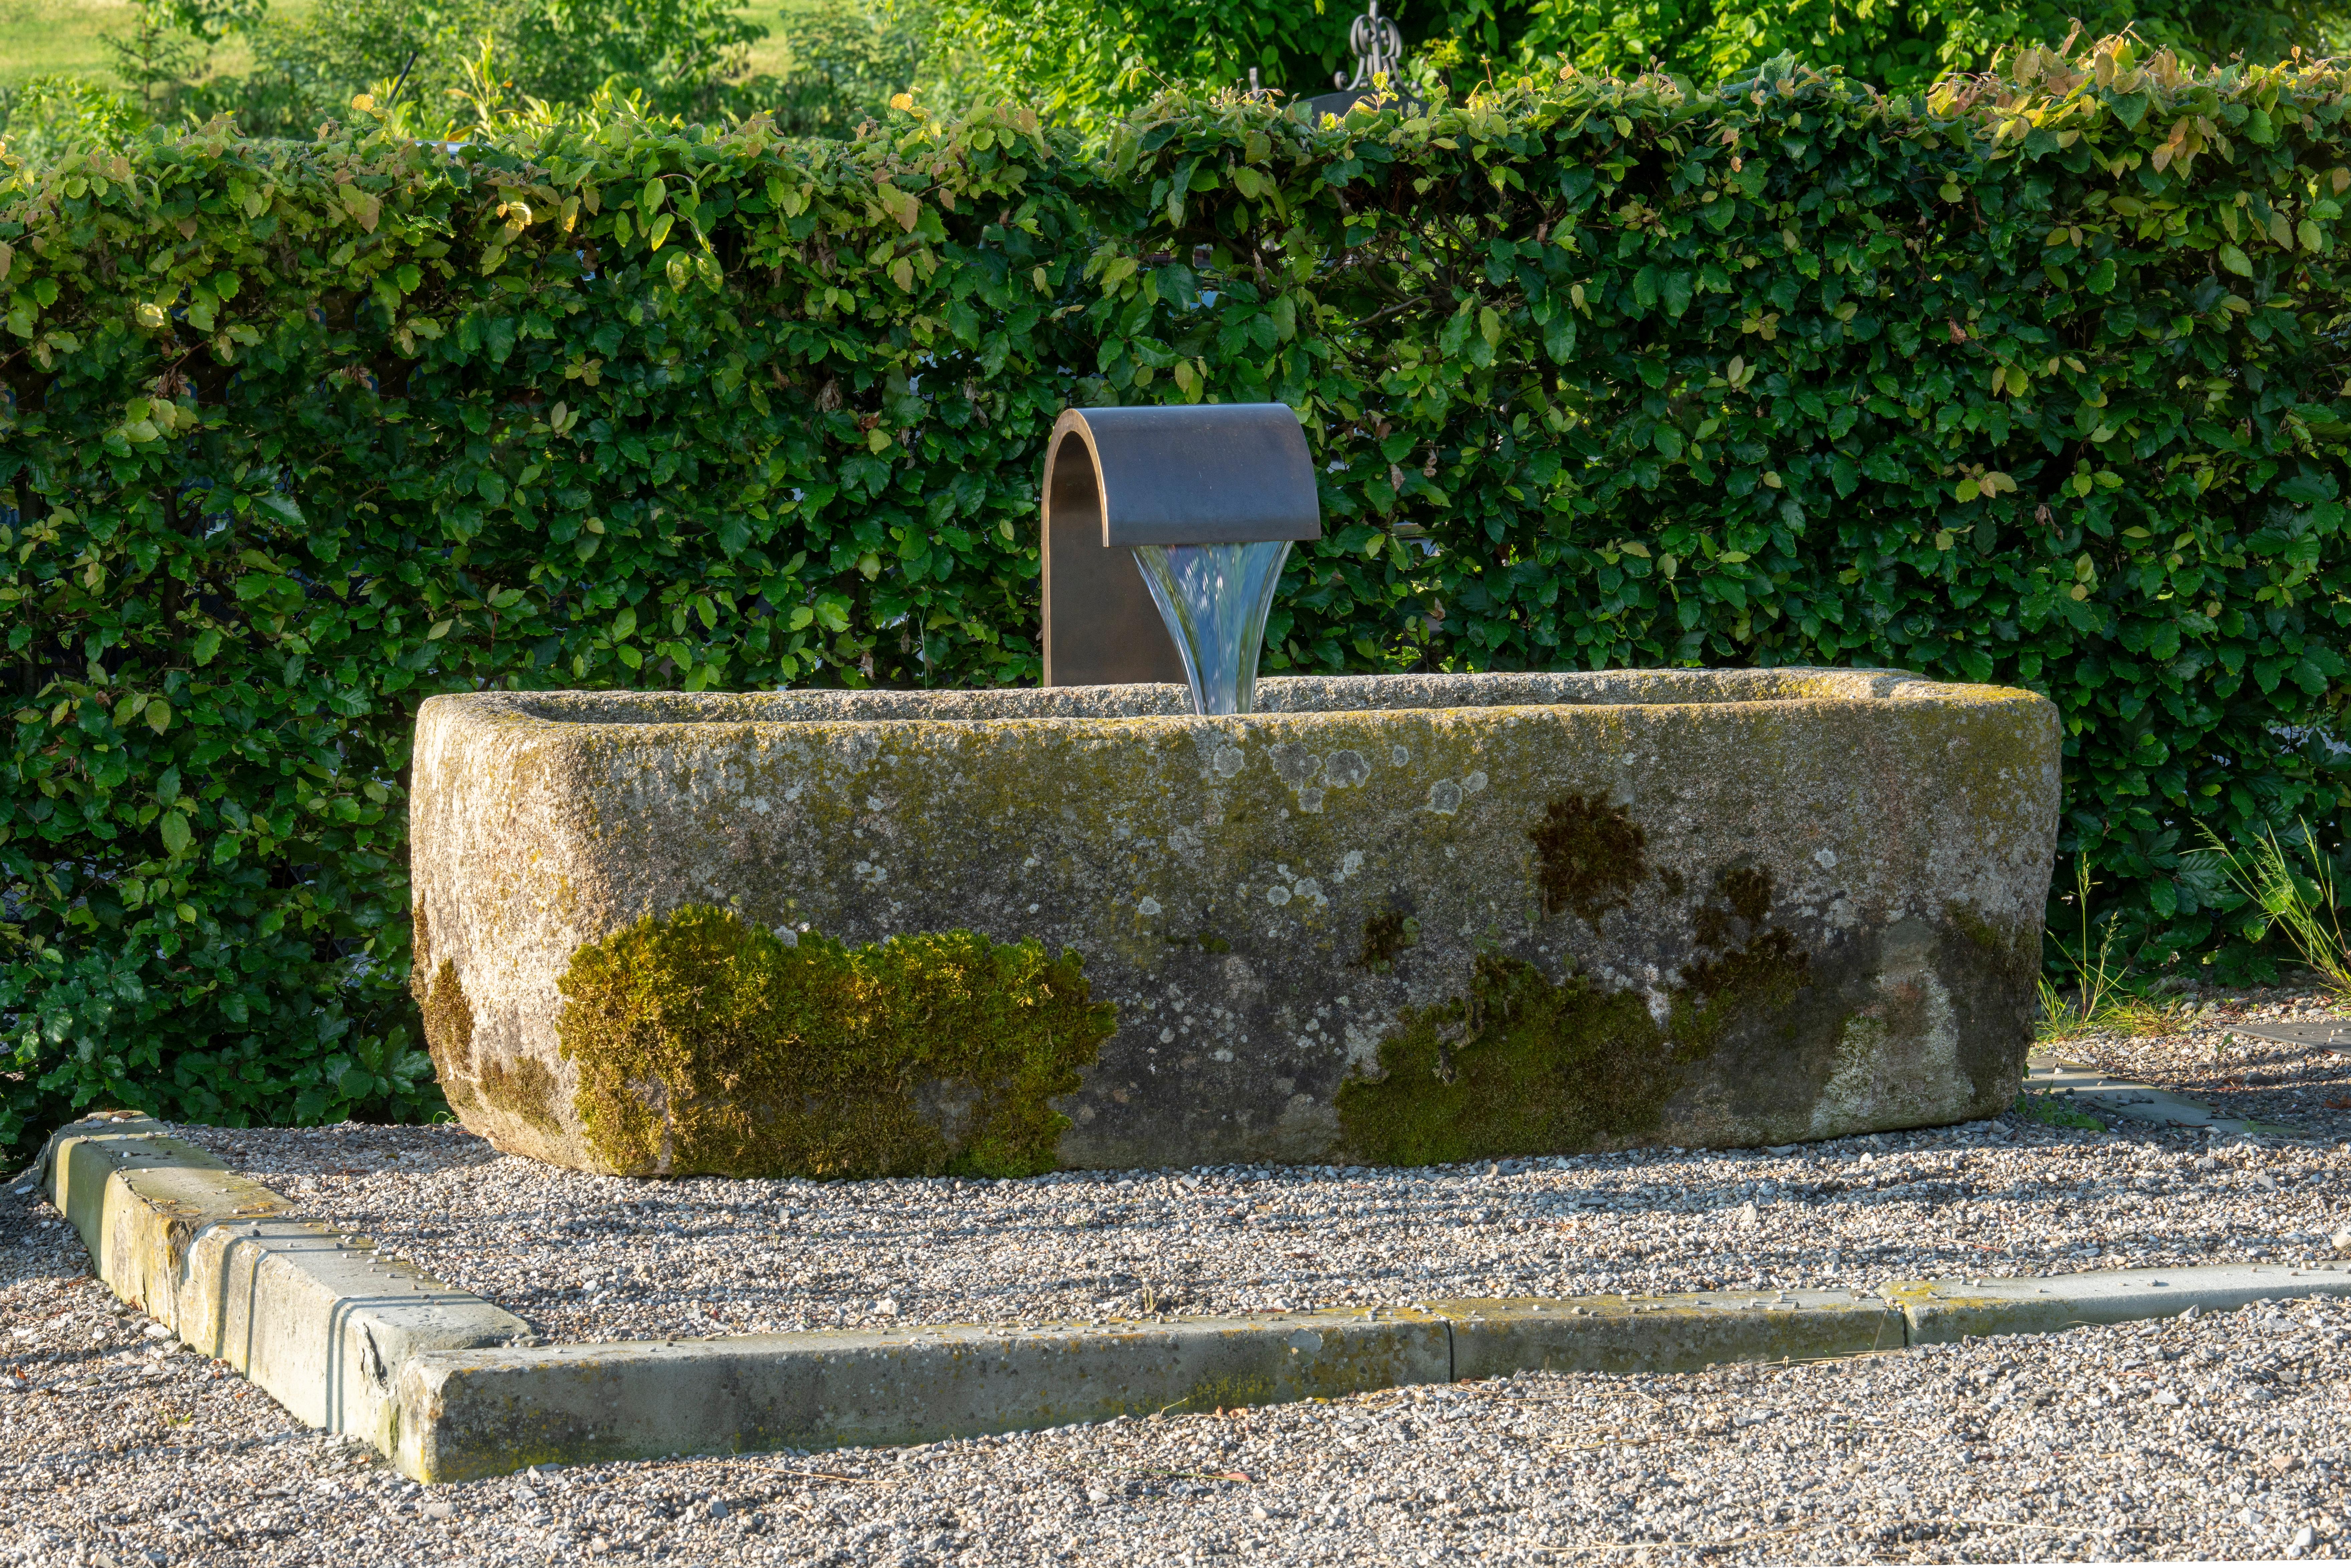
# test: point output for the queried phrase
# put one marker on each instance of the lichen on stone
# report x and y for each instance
(1249, 940)
(707, 1045)
(1519, 1064)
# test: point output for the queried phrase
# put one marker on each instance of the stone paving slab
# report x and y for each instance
(2325, 1031)
(2277, 1060)
(2097, 1091)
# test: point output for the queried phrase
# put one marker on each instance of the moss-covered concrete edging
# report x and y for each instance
(1383, 920)
(320, 1321)
(470, 1414)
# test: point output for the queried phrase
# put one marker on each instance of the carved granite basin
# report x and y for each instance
(1396, 919)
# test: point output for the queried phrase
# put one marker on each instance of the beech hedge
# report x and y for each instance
(2038, 378)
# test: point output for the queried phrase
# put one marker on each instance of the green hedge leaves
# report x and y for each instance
(2036, 381)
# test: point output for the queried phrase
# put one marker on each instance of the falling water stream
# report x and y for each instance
(1213, 599)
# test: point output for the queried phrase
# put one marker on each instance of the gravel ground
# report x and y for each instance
(2223, 1437)
(589, 1258)
(2220, 1437)
(2304, 1087)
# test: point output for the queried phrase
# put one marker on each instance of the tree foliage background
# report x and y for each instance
(1082, 63)
(1090, 62)
(447, 68)
(303, 419)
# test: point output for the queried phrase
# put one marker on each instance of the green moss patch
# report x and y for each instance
(524, 1088)
(1520, 1066)
(1745, 957)
(2015, 957)
(706, 1044)
(448, 1017)
(1386, 935)
(1589, 856)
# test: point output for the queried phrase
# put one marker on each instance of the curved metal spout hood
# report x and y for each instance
(1120, 478)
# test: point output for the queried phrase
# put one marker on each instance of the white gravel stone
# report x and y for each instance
(2214, 1437)
(590, 1257)
(2032, 1448)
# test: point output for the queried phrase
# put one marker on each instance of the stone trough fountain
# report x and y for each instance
(1160, 913)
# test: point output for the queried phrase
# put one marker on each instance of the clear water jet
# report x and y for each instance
(1214, 598)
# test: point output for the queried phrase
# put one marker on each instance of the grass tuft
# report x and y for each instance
(2295, 893)
(2054, 1111)
(2100, 998)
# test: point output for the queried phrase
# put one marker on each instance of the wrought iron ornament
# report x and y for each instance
(1378, 49)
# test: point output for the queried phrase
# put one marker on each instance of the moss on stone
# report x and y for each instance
(706, 1044)
(1745, 957)
(1589, 856)
(448, 1016)
(525, 1088)
(2015, 956)
(1206, 942)
(1386, 935)
(1520, 1066)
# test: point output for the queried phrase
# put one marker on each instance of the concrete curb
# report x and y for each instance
(480, 1413)
(321, 1323)
(1940, 1312)
(1665, 1334)
(452, 1388)
(487, 1412)
(467, 1414)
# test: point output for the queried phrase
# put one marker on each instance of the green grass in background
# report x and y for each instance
(768, 56)
(51, 37)
(66, 37)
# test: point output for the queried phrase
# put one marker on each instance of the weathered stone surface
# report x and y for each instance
(1390, 918)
